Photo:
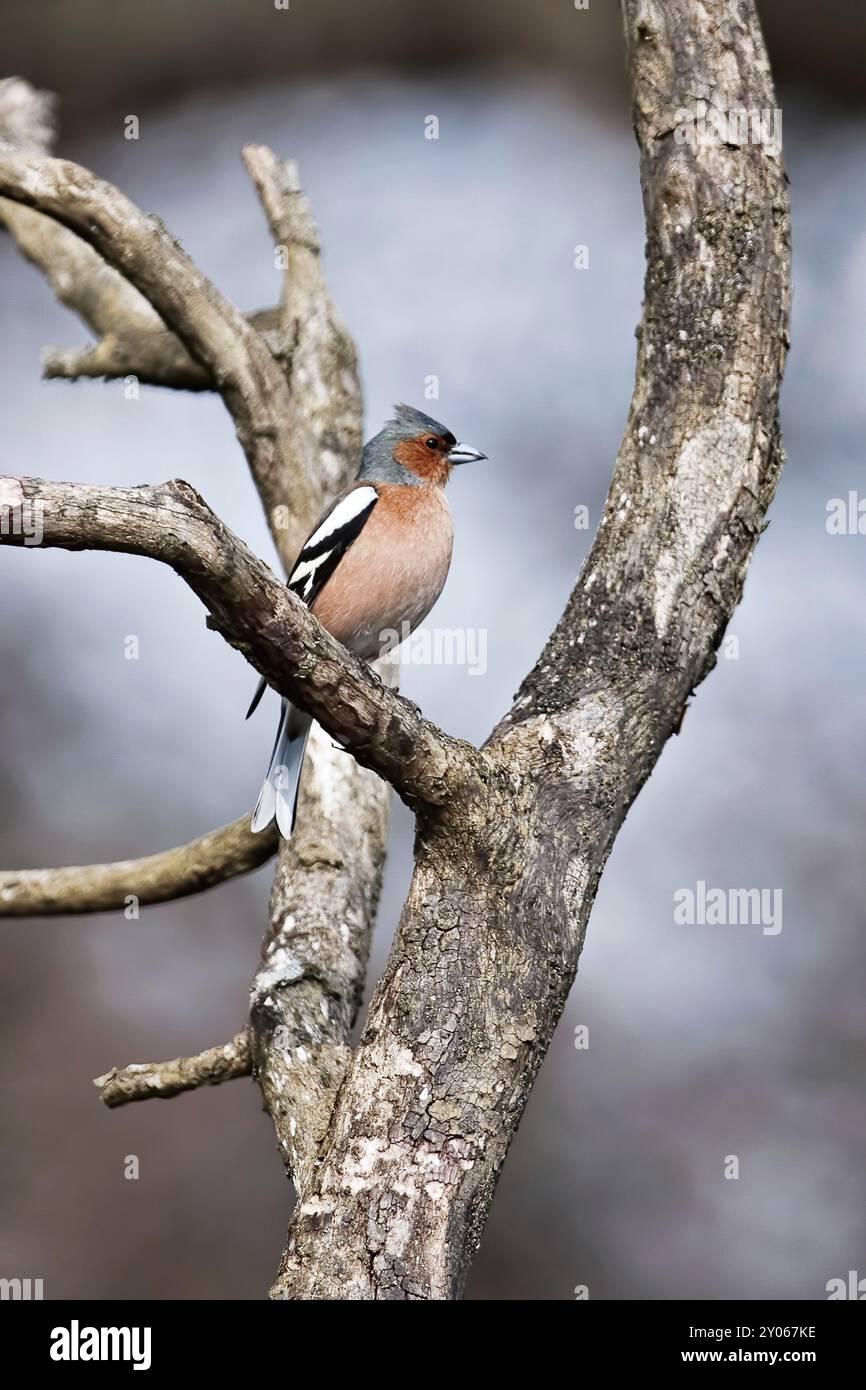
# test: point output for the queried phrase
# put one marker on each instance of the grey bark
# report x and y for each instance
(506, 874)
(302, 438)
(407, 1137)
(149, 1080)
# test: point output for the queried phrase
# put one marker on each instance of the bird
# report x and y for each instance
(374, 563)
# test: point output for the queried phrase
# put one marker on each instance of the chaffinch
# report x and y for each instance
(375, 561)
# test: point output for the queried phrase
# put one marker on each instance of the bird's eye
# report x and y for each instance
(432, 443)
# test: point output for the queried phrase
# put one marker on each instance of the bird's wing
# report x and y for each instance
(328, 543)
(325, 547)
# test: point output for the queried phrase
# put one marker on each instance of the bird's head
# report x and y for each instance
(417, 442)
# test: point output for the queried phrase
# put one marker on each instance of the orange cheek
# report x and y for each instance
(424, 462)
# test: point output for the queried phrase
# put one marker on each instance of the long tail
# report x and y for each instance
(279, 794)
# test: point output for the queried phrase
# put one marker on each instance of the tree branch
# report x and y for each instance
(255, 612)
(700, 456)
(132, 338)
(310, 342)
(212, 330)
(333, 888)
(154, 356)
(307, 991)
(505, 877)
(162, 1080)
(174, 873)
(511, 843)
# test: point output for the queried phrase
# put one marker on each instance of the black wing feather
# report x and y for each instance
(329, 551)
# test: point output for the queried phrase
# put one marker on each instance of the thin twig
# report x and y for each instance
(173, 873)
(162, 1080)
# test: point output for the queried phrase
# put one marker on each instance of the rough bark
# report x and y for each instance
(307, 992)
(318, 442)
(132, 338)
(254, 611)
(153, 356)
(491, 932)
(511, 840)
(150, 1080)
(214, 332)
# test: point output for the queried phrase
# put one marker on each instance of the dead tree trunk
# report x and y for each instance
(396, 1148)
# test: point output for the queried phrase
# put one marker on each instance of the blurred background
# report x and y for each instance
(452, 258)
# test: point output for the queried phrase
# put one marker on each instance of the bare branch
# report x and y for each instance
(291, 221)
(307, 990)
(510, 844)
(162, 1080)
(483, 960)
(174, 873)
(154, 356)
(326, 891)
(213, 331)
(133, 339)
(83, 282)
(111, 307)
(700, 456)
(309, 339)
(256, 613)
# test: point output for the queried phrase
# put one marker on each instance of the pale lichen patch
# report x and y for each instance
(11, 493)
(708, 475)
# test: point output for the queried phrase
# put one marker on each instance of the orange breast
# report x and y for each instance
(393, 574)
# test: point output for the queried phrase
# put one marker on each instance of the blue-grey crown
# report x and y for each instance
(410, 422)
(378, 459)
